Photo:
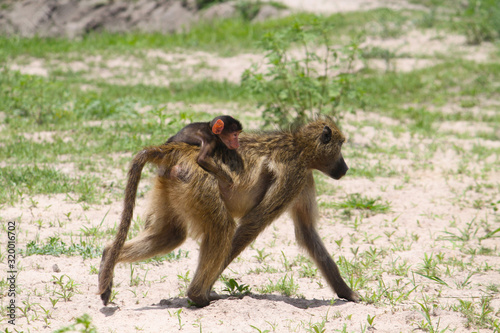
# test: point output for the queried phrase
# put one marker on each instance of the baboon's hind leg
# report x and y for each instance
(162, 235)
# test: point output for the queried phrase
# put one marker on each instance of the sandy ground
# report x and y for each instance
(328, 6)
(436, 193)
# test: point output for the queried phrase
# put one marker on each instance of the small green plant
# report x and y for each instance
(68, 287)
(466, 282)
(114, 293)
(429, 266)
(259, 330)
(370, 320)
(135, 280)
(26, 309)
(308, 270)
(285, 286)
(82, 324)
(317, 327)
(427, 324)
(295, 89)
(477, 316)
(53, 301)
(286, 263)
(463, 235)
(93, 270)
(363, 203)
(236, 289)
(184, 282)
(261, 255)
(177, 314)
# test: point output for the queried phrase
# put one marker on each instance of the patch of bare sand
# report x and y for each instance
(400, 64)
(430, 43)
(328, 6)
(199, 64)
(32, 67)
(462, 127)
(484, 108)
(47, 136)
(168, 68)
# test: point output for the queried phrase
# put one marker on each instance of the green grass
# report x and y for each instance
(34, 100)
(229, 36)
(54, 246)
(435, 85)
(285, 286)
(360, 202)
(27, 181)
(81, 324)
(45, 102)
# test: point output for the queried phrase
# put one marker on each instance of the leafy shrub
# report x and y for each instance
(249, 9)
(481, 20)
(207, 3)
(304, 75)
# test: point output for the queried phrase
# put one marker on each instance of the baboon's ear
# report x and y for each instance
(218, 127)
(326, 136)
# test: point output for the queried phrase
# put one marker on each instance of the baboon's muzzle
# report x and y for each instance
(340, 169)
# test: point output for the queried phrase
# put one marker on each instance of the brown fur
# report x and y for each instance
(272, 174)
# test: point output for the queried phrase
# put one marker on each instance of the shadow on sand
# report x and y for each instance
(178, 302)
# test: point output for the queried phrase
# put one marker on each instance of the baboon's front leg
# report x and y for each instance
(309, 238)
(304, 213)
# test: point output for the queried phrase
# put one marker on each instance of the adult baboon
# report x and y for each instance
(272, 174)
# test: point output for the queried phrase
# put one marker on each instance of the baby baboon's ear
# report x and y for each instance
(218, 127)
(326, 136)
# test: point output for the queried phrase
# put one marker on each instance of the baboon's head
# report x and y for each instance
(328, 143)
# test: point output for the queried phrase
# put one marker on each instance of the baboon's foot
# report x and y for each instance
(199, 300)
(349, 295)
(106, 295)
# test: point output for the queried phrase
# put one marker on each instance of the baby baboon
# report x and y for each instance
(277, 177)
(222, 131)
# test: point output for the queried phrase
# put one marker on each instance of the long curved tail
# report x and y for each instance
(150, 154)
